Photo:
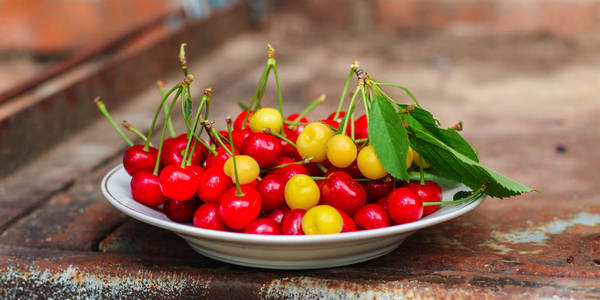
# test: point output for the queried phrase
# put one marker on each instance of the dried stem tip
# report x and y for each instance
(207, 92)
(267, 130)
(228, 120)
(458, 126)
(361, 74)
(321, 98)
(161, 84)
(126, 124)
(98, 101)
(182, 58)
(270, 51)
(355, 65)
(188, 79)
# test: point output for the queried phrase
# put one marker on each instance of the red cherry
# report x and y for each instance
(372, 216)
(341, 191)
(429, 192)
(218, 159)
(283, 160)
(137, 159)
(291, 224)
(298, 128)
(292, 170)
(377, 189)
(286, 148)
(173, 151)
(239, 211)
(271, 190)
(351, 170)
(207, 217)
(349, 224)
(263, 226)
(361, 128)
(263, 147)
(404, 205)
(212, 184)
(145, 189)
(383, 202)
(178, 183)
(239, 136)
(339, 118)
(237, 124)
(331, 123)
(197, 170)
(277, 215)
(181, 211)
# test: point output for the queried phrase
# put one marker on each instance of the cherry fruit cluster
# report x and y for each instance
(266, 174)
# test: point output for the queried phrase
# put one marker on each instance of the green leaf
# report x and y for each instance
(422, 119)
(456, 166)
(388, 136)
(187, 109)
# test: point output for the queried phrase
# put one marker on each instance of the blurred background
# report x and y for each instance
(503, 67)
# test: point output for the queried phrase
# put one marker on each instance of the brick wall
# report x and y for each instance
(563, 18)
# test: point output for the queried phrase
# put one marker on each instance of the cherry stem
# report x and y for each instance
(187, 154)
(351, 107)
(208, 128)
(186, 98)
(475, 194)
(402, 88)
(103, 110)
(310, 107)
(294, 123)
(158, 110)
(279, 135)
(302, 162)
(260, 87)
(345, 90)
(132, 129)
(182, 59)
(321, 167)
(217, 135)
(164, 129)
(203, 143)
(279, 98)
(235, 171)
(161, 88)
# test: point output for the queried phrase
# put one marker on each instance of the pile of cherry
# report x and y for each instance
(293, 178)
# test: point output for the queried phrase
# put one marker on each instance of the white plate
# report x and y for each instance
(281, 251)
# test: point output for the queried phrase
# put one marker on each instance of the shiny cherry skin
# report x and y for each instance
(137, 159)
(277, 215)
(239, 121)
(271, 190)
(291, 224)
(341, 191)
(377, 189)
(352, 170)
(181, 211)
(239, 136)
(197, 170)
(263, 147)
(372, 216)
(331, 123)
(238, 212)
(178, 183)
(218, 159)
(172, 153)
(263, 226)
(298, 128)
(145, 189)
(212, 184)
(292, 170)
(283, 160)
(404, 205)
(286, 148)
(207, 217)
(361, 128)
(429, 192)
(383, 202)
(349, 224)
(339, 118)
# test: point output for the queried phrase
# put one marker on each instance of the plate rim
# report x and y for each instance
(224, 236)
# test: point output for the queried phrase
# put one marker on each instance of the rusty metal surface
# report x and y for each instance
(540, 245)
